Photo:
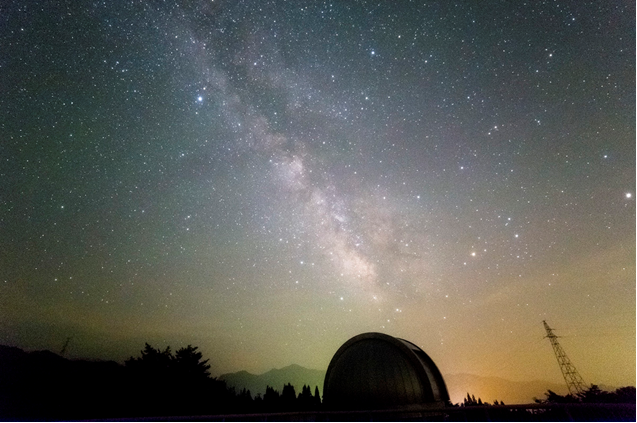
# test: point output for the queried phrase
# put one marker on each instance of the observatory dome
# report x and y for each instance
(374, 371)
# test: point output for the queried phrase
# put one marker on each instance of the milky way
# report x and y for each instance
(267, 179)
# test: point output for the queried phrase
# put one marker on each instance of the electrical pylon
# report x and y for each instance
(574, 381)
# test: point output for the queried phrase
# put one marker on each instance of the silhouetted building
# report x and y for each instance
(374, 371)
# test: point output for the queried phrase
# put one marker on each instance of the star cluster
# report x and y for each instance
(267, 179)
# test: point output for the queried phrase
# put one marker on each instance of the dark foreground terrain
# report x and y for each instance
(161, 385)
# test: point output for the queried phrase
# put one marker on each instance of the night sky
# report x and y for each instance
(266, 179)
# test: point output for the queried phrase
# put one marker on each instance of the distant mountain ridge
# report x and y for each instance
(276, 378)
(458, 385)
(13, 359)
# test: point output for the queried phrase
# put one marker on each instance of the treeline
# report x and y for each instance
(470, 401)
(44, 386)
(593, 395)
(593, 404)
(201, 394)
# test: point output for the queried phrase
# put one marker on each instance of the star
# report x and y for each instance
(225, 154)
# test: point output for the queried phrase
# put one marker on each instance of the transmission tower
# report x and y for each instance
(574, 381)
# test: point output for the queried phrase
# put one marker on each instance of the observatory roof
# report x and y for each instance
(378, 371)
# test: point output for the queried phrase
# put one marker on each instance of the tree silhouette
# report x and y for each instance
(288, 397)
(593, 394)
(471, 401)
(152, 363)
(552, 397)
(151, 374)
(270, 399)
(626, 394)
(258, 402)
(317, 398)
(305, 399)
(178, 383)
(244, 402)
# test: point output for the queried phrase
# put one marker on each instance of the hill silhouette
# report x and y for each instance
(276, 378)
(487, 388)
(43, 385)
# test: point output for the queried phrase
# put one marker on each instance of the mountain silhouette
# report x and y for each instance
(276, 378)
(486, 388)
(24, 374)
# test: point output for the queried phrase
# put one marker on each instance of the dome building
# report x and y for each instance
(374, 371)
